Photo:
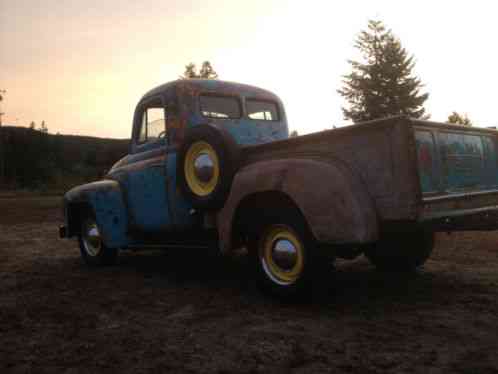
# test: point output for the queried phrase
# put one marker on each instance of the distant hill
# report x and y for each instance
(34, 159)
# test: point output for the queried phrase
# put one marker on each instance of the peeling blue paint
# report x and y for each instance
(427, 165)
(246, 131)
(181, 207)
(147, 198)
(455, 161)
(106, 200)
(142, 193)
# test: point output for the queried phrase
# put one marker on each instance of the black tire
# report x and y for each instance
(226, 151)
(93, 250)
(270, 281)
(401, 251)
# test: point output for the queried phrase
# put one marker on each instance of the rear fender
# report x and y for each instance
(105, 200)
(332, 199)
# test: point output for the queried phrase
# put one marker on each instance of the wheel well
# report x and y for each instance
(75, 211)
(255, 208)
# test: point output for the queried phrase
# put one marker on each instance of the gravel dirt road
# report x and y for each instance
(187, 311)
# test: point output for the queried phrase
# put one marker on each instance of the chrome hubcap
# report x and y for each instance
(284, 254)
(204, 167)
(92, 240)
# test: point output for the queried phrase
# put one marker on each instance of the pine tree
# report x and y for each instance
(458, 119)
(382, 84)
(190, 72)
(206, 71)
(43, 128)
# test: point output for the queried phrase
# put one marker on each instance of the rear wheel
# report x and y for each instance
(401, 251)
(283, 255)
(92, 248)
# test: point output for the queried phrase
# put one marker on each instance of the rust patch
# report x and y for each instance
(333, 201)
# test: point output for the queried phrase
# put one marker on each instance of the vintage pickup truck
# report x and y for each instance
(211, 164)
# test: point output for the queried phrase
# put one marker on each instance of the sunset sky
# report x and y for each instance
(82, 65)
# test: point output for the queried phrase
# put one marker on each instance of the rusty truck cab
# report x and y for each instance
(250, 114)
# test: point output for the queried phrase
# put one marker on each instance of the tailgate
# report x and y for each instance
(458, 176)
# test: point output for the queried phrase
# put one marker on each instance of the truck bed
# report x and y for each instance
(437, 174)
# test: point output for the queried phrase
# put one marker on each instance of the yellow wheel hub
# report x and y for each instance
(281, 254)
(201, 168)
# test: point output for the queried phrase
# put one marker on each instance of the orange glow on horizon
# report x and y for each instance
(82, 67)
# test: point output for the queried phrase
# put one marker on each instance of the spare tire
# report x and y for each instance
(207, 161)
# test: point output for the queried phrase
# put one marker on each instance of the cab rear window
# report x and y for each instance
(220, 106)
(262, 110)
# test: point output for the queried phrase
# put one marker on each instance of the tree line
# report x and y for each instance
(35, 159)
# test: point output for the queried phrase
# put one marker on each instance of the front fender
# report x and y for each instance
(332, 199)
(105, 199)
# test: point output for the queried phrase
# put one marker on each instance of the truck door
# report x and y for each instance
(146, 182)
(182, 214)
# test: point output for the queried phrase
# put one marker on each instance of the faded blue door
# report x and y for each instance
(146, 182)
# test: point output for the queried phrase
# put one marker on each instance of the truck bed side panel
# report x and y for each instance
(377, 152)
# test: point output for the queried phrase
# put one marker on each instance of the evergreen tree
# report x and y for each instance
(43, 128)
(458, 119)
(206, 71)
(382, 84)
(190, 72)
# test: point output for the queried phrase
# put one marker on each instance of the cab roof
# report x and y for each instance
(212, 86)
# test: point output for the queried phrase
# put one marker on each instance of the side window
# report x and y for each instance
(262, 110)
(220, 106)
(156, 123)
(153, 124)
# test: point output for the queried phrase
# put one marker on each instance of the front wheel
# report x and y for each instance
(92, 248)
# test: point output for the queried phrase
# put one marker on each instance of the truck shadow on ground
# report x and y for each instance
(346, 284)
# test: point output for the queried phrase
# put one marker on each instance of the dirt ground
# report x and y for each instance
(187, 311)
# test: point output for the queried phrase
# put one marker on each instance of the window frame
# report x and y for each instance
(277, 109)
(144, 106)
(237, 98)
